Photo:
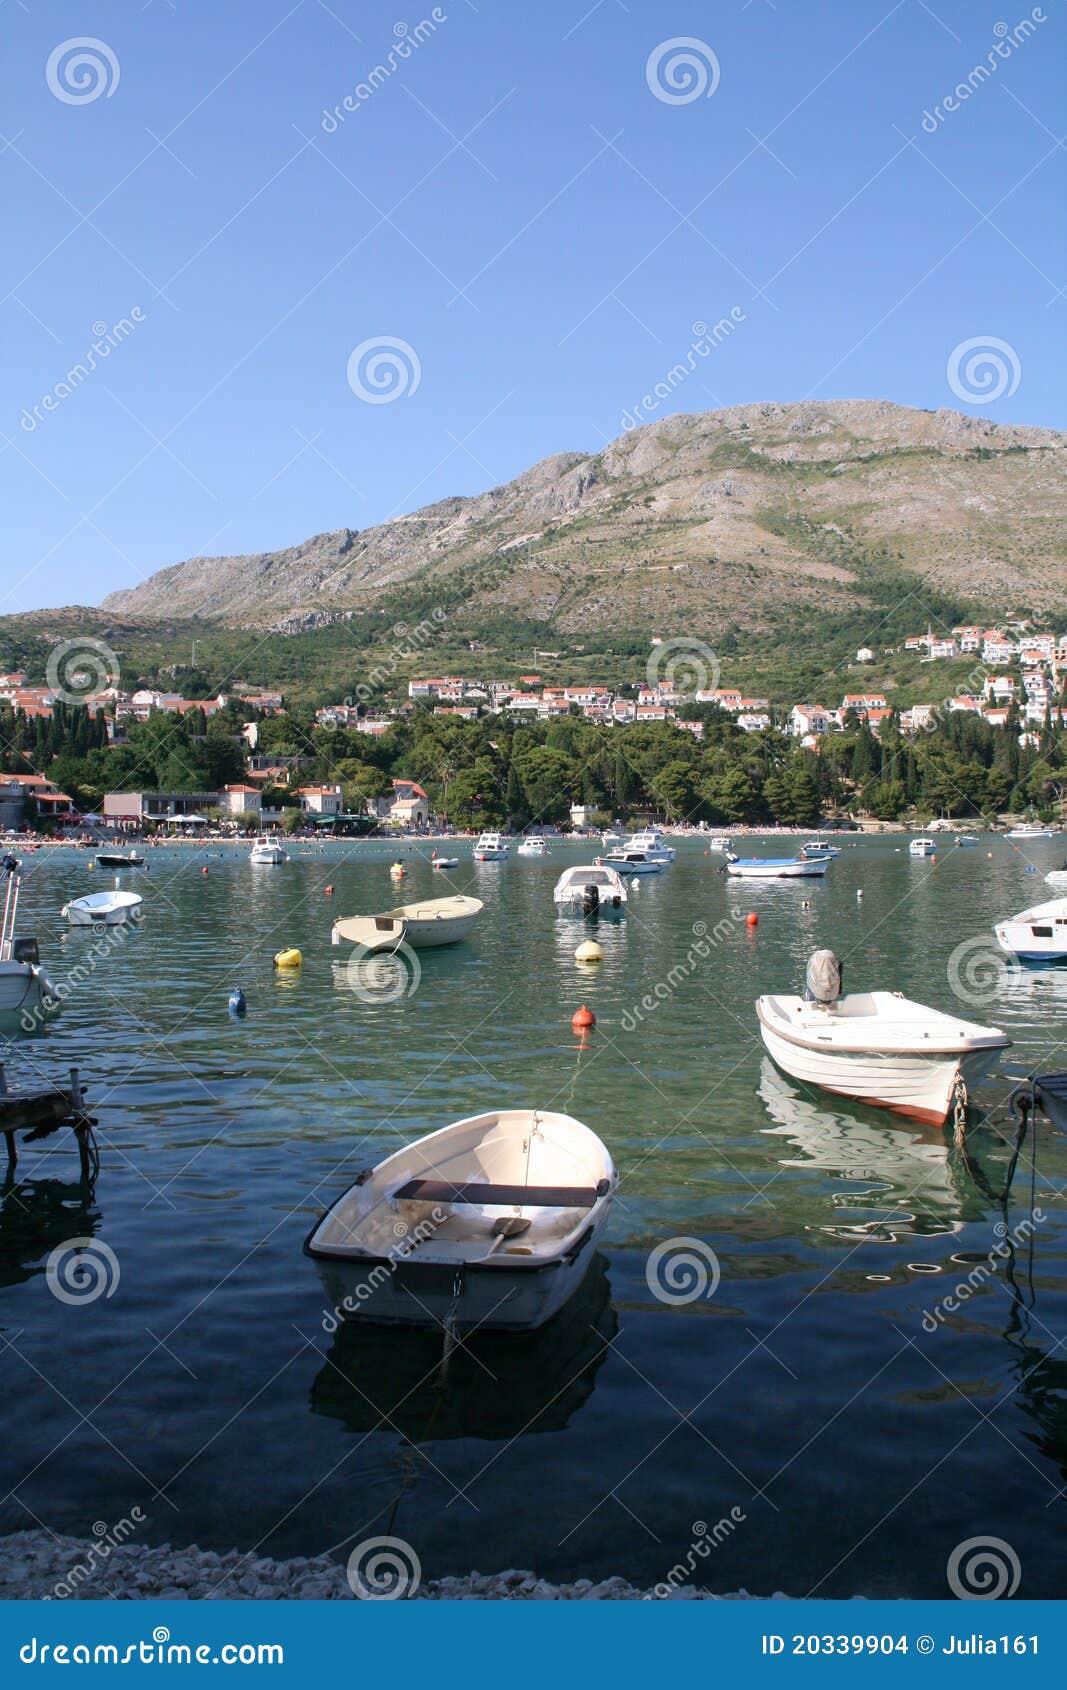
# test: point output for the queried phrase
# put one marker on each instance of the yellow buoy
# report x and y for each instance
(289, 958)
(588, 951)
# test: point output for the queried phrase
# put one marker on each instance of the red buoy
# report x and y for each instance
(204, 869)
(329, 892)
(752, 919)
(583, 1018)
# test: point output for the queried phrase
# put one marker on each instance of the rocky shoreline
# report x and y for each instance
(36, 1565)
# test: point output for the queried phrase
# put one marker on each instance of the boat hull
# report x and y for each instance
(26, 993)
(920, 1087)
(493, 1299)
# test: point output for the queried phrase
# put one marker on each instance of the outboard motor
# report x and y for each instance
(590, 899)
(822, 979)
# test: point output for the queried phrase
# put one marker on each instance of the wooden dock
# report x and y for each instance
(40, 1110)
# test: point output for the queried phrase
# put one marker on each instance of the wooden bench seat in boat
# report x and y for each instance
(546, 1196)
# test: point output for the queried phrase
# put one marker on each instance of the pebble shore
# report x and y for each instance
(38, 1564)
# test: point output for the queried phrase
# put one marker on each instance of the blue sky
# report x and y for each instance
(516, 203)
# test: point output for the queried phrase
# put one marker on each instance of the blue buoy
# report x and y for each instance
(237, 1002)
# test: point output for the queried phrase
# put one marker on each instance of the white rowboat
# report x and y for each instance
(777, 868)
(423, 926)
(107, 909)
(490, 1223)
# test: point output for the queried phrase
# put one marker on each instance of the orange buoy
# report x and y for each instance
(752, 919)
(583, 1018)
(204, 870)
(328, 892)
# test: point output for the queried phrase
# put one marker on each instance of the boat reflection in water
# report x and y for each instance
(914, 1188)
(496, 1385)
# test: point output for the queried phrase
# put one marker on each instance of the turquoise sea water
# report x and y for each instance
(806, 1394)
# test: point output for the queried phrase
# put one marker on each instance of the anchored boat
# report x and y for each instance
(119, 859)
(922, 847)
(800, 867)
(102, 909)
(877, 1047)
(269, 852)
(25, 988)
(490, 848)
(632, 862)
(593, 889)
(423, 926)
(1038, 934)
(533, 846)
(490, 1222)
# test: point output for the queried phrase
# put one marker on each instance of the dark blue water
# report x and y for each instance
(860, 1446)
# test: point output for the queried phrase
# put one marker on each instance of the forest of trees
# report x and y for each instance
(492, 772)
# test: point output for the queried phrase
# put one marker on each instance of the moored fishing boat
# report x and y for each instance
(632, 862)
(877, 1047)
(268, 852)
(533, 846)
(490, 848)
(652, 844)
(28, 997)
(490, 1222)
(1030, 830)
(821, 848)
(1036, 935)
(422, 926)
(922, 847)
(118, 859)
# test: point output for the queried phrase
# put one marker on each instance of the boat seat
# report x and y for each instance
(542, 1196)
(384, 923)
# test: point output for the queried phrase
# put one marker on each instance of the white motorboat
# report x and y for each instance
(877, 1047)
(533, 846)
(490, 848)
(490, 1223)
(821, 848)
(1058, 877)
(589, 889)
(268, 851)
(967, 839)
(1030, 830)
(422, 926)
(800, 867)
(1038, 934)
(720, 842)
(444, 862)
(612, 840)
(28, 997)
(922, 847)
(631, 862)
(102, 909)
(118, 859)
(652, 844)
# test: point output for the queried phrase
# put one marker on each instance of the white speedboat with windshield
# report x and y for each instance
(877, 1047)
(821, 848)
(1038, 934)
(720, 842)
(589, 889)
(922, 847)
(533, 845)
(1030, 830)
(490, 848)
(490, 1223)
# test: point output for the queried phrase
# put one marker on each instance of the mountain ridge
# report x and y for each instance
(723, 514)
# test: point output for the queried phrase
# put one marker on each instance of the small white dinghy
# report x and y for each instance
(443, 862)
(877, 1047)
(533, 845)
(102, 909)
(593, 889)
(1038, 934)
(423, 926)
(490, 1223)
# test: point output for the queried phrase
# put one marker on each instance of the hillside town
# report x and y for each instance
(1018, 677)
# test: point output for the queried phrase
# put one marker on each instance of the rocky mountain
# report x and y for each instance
(724, 514)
